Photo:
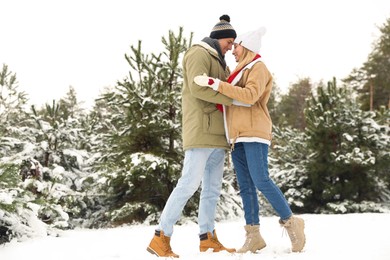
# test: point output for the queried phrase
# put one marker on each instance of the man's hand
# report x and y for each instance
(206, 81)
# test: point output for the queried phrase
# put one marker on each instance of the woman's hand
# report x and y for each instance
(206, 81)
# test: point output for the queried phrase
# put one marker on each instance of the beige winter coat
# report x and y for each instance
(253, 88)
(203, 125)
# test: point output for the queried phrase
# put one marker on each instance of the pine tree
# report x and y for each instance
(274, 102)
(287, 162)
(144, 156)
(44, 152)
(292, 105)
(70, 107)
(41, 164)
(372, 80)
(342, 146)
(12, 101)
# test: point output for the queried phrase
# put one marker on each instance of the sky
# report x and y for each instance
(54, 44)
(347, 236)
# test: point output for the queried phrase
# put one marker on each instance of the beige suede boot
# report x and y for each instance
(253, 241)
(295, 228)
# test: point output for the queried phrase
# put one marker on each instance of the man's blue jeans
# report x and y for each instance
(251, 164)
(201, 165)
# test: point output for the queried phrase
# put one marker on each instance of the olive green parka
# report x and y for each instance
(203, 124)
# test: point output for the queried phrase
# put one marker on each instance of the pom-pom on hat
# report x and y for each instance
(251, 40)
(223, 29)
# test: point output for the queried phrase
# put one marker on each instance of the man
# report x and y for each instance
(204, 142)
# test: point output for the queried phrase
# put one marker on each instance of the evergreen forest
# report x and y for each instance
(64, 167)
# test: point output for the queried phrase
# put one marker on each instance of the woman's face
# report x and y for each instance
(237, 52)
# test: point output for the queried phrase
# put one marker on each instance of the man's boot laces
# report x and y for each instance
(167, 246)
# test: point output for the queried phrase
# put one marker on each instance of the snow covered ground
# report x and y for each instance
(350, 236)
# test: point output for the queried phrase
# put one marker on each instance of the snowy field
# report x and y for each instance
(350, 236)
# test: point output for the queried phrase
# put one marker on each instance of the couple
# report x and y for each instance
(219, 110)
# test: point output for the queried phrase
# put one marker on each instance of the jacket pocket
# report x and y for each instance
(242, 119)
(213, 121)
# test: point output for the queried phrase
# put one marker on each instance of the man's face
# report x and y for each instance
(226, 44)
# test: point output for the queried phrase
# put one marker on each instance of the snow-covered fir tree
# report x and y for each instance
(348, 153)
(42, 169)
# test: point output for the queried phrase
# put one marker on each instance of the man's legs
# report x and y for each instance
(211, 189)
(195, 161)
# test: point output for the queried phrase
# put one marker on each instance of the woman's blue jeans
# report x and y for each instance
(201, 165)
(251, 164)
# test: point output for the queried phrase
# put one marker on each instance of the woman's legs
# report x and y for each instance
(248, 190)
(257, 160)
(251, 159)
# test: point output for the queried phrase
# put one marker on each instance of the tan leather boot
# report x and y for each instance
(253, 241)
(160, 245)
(210, 241)
(295, 228)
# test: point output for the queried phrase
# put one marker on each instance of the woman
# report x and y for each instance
(249, 131)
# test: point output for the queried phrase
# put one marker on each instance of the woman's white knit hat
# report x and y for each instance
(251, 40)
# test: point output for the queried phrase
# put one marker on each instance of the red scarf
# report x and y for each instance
(232, 76)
